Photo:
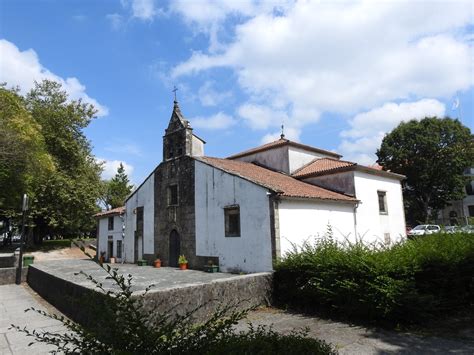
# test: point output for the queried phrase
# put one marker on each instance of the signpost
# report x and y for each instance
(22, 239)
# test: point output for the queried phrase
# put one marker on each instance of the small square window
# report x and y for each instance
(382, 195)
(111, 223)
(232, 221)
(471, 210)
(173, 195)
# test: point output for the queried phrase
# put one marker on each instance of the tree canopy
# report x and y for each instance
(433, 154)
(116, 190)
(45, 153)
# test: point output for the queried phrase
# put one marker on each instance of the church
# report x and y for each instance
(245, 211)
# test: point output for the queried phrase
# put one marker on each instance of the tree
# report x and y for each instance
(116, 190)
(65, 200)
(24, 158)
(433, 154)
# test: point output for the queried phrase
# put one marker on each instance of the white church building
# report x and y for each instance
(244, 211)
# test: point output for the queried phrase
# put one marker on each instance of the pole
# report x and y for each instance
(22, 239)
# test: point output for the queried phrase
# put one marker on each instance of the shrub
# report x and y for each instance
(123, 325)
(409, 282)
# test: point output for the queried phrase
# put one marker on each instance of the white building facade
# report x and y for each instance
(110, 234)
(245, 211)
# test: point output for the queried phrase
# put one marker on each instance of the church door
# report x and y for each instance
(174, 248)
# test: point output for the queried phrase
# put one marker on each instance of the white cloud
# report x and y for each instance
(22, 68)
(211, 97)
(368, 129)
(116, 21)
(111, 166)
(261, 117)
(143, 9)
(215, 122)
(290, 133)
(337, 57)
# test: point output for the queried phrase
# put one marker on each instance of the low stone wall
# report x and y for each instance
(7, 260)
(245, 291)
(81, 303)
(8, 275)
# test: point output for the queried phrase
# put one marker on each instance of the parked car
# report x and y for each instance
(452, 229)
(468, 229)
(16, 238)
(424, 229)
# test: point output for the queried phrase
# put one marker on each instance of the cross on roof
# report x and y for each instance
(174, 90)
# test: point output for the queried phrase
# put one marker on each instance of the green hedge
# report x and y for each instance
(407, 283)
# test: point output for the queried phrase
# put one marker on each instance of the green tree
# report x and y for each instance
(433, 154)
(23, 155)
(116, 190)
(65, 200)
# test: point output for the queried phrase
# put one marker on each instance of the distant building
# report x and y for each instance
(110, 233)
(245, 211)
(458, 212)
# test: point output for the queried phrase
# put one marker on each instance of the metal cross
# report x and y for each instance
(174, 90)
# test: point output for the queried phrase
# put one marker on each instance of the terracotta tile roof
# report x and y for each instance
(279, 143)
(112, 212)
(283, 184)
(326, 166)
(323, 165)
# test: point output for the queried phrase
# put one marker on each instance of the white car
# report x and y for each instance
(424, 229)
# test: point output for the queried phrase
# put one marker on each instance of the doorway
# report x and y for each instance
(110, 249)
(175, 248)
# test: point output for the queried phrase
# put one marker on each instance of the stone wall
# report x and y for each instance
(179, 217)
(8, 275)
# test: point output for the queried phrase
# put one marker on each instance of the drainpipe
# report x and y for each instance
(122, 217)
(355, 218)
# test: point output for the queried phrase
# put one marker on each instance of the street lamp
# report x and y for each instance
(22, 239)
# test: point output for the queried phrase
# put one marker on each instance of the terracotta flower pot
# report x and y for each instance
(183, 266)
(157, 263)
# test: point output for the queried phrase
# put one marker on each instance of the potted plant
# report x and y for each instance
(157, 262)
(102, 257)
(142, 262)
(210, 267)
(183, 262)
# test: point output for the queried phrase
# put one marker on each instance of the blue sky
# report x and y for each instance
(339, 75)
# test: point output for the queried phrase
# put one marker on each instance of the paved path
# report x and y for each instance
(359, 340)
(13, 301)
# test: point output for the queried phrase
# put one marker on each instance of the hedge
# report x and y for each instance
(408, 283)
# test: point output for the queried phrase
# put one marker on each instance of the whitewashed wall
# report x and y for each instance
(143, 197)
(276, 158)
(299, 157)
(303, 220)
(371, 225)
(215, 189)
(104, 234)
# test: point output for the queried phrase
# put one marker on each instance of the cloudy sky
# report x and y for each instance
(338, 75)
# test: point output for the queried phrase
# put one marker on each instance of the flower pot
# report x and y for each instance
(211, 268)
(183, 266)
(157, 263)
(142, 263)
(112, 260)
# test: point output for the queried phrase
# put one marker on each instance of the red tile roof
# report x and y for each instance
(282, 184)
(326, 166)
(112, 212)
(320, 166)
(282, 142)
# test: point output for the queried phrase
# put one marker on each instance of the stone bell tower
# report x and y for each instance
(179, 139)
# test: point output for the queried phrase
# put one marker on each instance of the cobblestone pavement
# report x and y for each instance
(14, 300)
(349, 339)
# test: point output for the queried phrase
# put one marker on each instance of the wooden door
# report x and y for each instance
(175, 248)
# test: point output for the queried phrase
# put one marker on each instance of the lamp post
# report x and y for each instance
(22, 239)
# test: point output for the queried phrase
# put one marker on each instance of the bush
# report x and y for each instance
(407, 283)
(123, 325)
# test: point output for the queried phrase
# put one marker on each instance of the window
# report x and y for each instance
(170, 148)
(382, 202)
(179, 150)
(111, 223)
(173, 195)
(119, 249)
(232, 221)
(471, 210)
(469, 189)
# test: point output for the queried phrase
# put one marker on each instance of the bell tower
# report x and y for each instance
(178, 138)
